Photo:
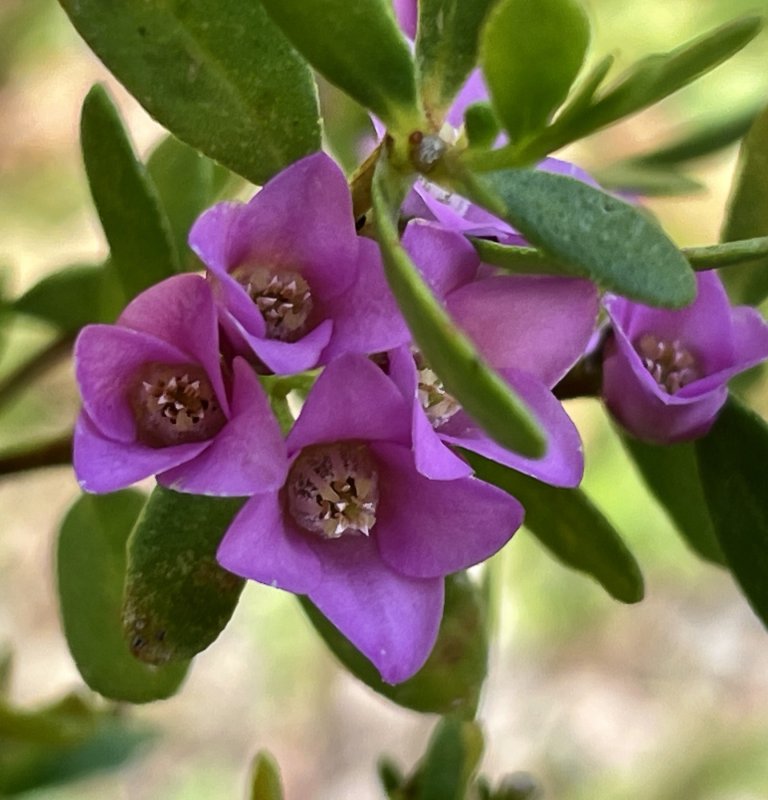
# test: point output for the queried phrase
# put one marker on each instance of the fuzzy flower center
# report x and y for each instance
(671, 364)
(438, 405)
(333, 489)
(175, 404)
(283, 298)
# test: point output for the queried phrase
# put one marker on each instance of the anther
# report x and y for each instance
(283, 298)
(332, 490)
(174, 404)
(670, 363)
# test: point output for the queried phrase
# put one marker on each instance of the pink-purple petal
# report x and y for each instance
(248, 456)
(107, 358)
(104, 465)
(392, 619)
(287, 357)
(182, 310)
(352, 399)
(368, 319)
(262, 545)
(212, 236)
(431, 457)
(444, 257)
(538, 324)
(563, 464)
(427, 528)
(302, 220)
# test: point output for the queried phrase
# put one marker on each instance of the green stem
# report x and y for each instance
(529, 260)
(56, 452)
(27, 372)
(724, 255)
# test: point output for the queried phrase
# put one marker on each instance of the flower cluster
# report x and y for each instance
(367, 503)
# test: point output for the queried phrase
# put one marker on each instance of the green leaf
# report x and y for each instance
(359, 48)
(747, 214)
(650, 80)
(700, 140)
(185, 181)
(483, 394)
(658, 76)
(531, 53)
(6, 670)
(592, 234)
(451, 759)
(511, 258)
(141, 250)
(69, 298)
(265, 778)
(567, 523)
(584, 92)
(452, 677)
(219, 75)
(62, 742)
(91, 565)
(390, 776)
(177, 598)
(650, 181)
(732, 459)
(447, 46)
(671, 473)
(481, 125)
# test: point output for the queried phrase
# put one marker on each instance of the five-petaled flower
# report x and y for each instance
(297, 286)
(156, 400)
(665, 373)
(359, 526)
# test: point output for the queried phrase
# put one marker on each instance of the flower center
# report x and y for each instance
(438, 405)
(283, 298)
(672, 365)
(175, 404)
(333, 489)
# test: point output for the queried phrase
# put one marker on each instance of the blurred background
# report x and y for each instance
(665, 700)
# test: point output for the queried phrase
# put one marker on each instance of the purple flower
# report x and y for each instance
(297, 286)
(665, 372)
(531, 329)
(538, 324)
(359, 528)
(156, 401)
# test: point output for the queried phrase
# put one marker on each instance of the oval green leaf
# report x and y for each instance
(590, 233)
(452, 677)
(483, 394)
(732, 459)
(66, 741)
(658, 76)
(91, 564)
(671, 473)
(454, 751)
(358, 47)
(141, 250)
(567, 523)
(185, 182)
(218, 74)
(747, 214)
(265, 778)
(531, 54)
(177, 598)
(447, 46)
(69, 298)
